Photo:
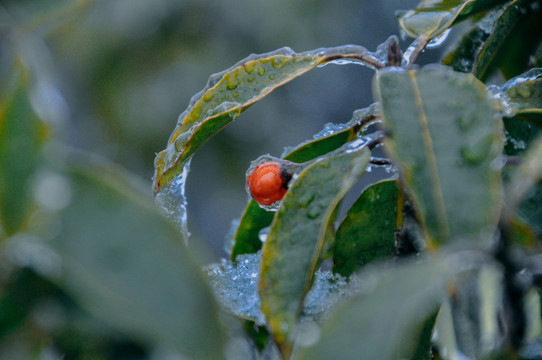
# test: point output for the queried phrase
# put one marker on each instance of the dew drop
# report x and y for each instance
(250, 66)
(272, 77)
(261, 70)
(231, 81)
(208, 96)
(262, 235)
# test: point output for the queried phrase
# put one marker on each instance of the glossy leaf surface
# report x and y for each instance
(446, 133)
(367, 232)
(22, 134)
(524, 93)
(254, 218)
(229, 93)
(396, 306)
(517, 23)
(298, 232)
(126, 264)
(431, 18)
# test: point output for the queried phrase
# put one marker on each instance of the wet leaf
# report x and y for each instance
(524, 93)
(524, 180)
(255, 218)
(22, 134)
(445, 136)
(396, 305)
(229, 93)
(126, 264)
(519, 135)
(513, 38)
(298, 232)
(367, 232)
(431, 18)
(462, 56)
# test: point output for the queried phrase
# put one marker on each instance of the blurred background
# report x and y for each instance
(125, 70)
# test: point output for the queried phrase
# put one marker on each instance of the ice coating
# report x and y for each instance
(438, 40)
(235, 286)
(290, 169)
(230, 92)
(521, 94)
(331, 129)
(171, 201)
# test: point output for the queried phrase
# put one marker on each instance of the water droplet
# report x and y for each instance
(208, 96)
(313, 212)
(475, 153)
(308, 334)
(262, 235)
(525, 91)
(250, 66)
(261, 69)
(231, 81)
(306, 199)
(279, 62)
(272, 77)
(53, 191)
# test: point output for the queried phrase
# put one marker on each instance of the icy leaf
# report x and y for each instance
(446, 134)
(367, 232)
(524, 180)
(127, 265)
(230, 92)
(297, 233)
(524, 94)
(514, 25)
(397, 306)
(246, 239)
(432, 17)
(22, 134)
(330, 138)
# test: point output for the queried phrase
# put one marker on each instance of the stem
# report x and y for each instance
(367, 59)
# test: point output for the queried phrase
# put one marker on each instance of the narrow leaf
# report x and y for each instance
(397, 304)
(298, 232)
(126, 264)
(367, 232)
(22, 134)
(332, 137)
(431, 18)
(229, 93)
(517, 23)
(524, 180)
(524, 93)
(445, 135)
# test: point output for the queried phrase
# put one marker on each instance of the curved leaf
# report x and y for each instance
(367, 232)
(513, 37)
(332, 137)
(297, 234)
(229, 93)
(446, 133)
(396, 305)
(126, 264)
(432, 17)
(22, 134)
(524, 93)
(462, 56)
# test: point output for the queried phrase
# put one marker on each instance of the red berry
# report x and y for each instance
(267, 183)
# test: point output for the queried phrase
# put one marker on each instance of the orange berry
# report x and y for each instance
(268, 182)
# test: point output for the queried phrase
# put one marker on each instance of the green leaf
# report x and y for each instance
(367, 232)
(519, 135)
(514, 37)
(523, 182)
(229, 93)
(254, 218)
(22, 135)
(462, 56)
(446, 133)
(524, 93)
(126, 264)
(397, 304)
(297, 234)
(431, 18)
